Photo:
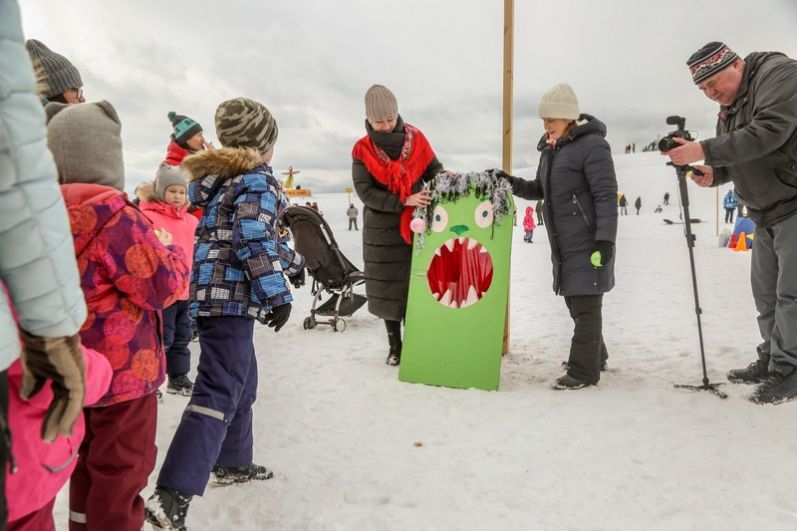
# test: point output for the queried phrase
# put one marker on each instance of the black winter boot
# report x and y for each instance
(394, 340)
(167, 509)
(780, 386)
(756, 372)
(225, 475)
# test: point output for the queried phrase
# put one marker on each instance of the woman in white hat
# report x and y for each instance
(576, 178)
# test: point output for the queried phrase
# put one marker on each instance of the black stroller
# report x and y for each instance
(332, 272)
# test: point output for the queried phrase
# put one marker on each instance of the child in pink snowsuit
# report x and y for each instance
(40, 468)
(529, 225)
(167, 207)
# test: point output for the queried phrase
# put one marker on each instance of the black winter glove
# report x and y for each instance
(278, 316)
(297, 280)
(604, 251)
(59, 359)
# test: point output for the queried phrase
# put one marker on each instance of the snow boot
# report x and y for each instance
(756, 372)
(394, 340)
(780, 386)
(568, 383)
(167, 509)
(224, 475)
(180, 385)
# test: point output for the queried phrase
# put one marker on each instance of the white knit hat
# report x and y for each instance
(559, 102)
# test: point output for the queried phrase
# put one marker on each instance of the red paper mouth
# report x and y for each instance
(460, 273)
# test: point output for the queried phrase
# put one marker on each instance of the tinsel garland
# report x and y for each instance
(450, 187)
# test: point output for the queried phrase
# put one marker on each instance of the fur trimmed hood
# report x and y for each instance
(223, 162)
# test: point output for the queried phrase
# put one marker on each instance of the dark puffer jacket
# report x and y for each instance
(387, 257)
(579, 186)
(756, 143)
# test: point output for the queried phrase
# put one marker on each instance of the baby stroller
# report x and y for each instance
(332, 272)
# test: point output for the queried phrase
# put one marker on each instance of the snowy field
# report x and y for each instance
(355, 449)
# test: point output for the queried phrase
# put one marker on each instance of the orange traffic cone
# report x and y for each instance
(741, 244)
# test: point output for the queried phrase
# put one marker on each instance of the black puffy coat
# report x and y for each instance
(386, 255)
(578, 183)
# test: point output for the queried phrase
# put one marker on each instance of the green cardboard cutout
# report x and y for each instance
(459, 279)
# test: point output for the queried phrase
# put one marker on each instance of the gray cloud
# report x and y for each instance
(310, 62)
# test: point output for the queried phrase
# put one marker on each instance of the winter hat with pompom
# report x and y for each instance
(559, 102)
(184, 127)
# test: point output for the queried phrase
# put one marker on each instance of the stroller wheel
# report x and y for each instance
(309, 323)
(339, 325)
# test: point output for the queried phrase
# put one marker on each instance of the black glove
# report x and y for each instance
(501, 174)
(59, 359)
(604, 251)
(278, 316)
(297, 280)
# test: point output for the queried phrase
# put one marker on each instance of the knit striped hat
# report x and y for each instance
(380, 103)
(184, 127)
(242, 122)
(710, 59)
(57, 73)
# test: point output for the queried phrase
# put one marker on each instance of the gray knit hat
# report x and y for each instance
(712, 58)
(167, 176)
(86, 143)
(559, 102)
(242, 122)
(57, 72)
(380, 103)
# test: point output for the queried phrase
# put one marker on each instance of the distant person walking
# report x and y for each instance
(538, 208)
(667, 198)
(729, 203)
(623, 202)
(352, 214)
(638, 204)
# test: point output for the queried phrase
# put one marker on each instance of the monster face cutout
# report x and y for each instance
(461, 270)
(459, 283)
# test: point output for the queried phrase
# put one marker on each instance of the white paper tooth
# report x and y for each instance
(450, 244)
(436, 295)
(461, 240)
(453, 304)
(437, 251)
(471, 244)
(483, 249)
(446, 298)
(472, 297)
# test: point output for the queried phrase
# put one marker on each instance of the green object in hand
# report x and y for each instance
(595, 258)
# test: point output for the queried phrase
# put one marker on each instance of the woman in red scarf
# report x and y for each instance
(390, 165)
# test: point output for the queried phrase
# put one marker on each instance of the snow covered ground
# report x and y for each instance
(354, 448)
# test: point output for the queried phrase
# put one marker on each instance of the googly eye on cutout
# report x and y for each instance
(484, 214)
(439, 219)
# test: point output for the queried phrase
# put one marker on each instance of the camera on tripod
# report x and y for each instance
(668, 142)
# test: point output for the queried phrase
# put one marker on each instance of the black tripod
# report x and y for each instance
(690, 242)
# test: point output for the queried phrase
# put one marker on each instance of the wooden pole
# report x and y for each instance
(506, 158)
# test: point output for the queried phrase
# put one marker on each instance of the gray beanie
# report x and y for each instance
(167, 176)
(380, 103)
(242, 122)
(559, 102)
(55, 71)
(86, 143)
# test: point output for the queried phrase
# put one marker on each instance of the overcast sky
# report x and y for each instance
(310, 63)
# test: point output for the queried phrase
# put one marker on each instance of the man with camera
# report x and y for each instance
(756, 148)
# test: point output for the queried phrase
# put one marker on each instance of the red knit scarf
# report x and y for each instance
(401, 174)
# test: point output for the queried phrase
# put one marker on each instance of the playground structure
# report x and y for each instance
(290, 189)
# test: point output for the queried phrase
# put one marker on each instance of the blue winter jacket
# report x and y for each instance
(37, 256)
(729, 201)
(239, 263)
